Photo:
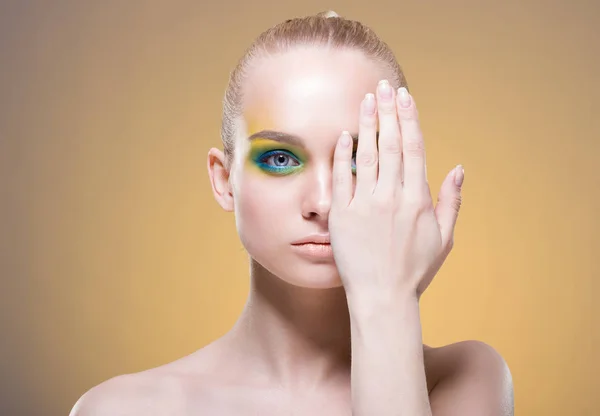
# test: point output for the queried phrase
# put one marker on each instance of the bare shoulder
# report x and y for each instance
(184, 386)
(473, 379)
(146, 393)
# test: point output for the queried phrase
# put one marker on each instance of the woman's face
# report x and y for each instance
(282, 188)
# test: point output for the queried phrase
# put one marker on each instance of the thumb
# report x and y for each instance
(448, 205)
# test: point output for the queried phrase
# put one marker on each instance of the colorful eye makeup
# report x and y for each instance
(276, 158)
(280, 159)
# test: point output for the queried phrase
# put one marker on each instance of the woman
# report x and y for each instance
(324, 168)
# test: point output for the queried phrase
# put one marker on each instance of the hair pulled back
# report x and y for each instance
(326, 29)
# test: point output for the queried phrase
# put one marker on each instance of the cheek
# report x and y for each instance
(263, 208)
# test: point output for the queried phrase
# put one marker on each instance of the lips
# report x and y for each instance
(314, 251)
(313, 239)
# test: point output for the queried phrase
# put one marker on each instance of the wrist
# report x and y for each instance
(383, 306)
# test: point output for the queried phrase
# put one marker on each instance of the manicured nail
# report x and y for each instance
(459, 175)
(346, 139)
(404, 97)
(385, 91)
(369, 104)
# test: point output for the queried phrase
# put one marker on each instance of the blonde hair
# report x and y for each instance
(326, 29)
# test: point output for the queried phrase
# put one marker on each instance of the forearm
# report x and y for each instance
(388, 372)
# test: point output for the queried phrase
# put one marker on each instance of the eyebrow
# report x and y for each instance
(278, 136)
(291, 139)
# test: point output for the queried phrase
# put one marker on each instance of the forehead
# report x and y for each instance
(309, 91)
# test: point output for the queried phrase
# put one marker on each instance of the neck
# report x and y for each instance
(295, 336)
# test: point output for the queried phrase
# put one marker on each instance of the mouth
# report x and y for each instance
(312, 249)
(313, 239)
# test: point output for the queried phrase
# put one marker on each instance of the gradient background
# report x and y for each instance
(115, 257)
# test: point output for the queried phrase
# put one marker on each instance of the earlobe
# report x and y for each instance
(219, 179)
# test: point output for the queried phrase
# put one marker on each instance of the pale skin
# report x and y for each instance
(306, 318)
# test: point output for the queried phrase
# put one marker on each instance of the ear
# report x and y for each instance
(219, 179)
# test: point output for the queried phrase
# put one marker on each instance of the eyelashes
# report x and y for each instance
(278, 162)
(282, 162)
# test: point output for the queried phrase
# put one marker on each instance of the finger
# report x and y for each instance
(413, 146)
(390, 141)
(342, 172)
(366, 153)
(448, 205)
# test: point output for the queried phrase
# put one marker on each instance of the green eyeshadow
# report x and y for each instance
(276, 158)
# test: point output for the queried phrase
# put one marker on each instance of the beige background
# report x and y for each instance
(115, 257)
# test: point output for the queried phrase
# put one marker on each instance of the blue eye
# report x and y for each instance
(280, 159)
(278, 162)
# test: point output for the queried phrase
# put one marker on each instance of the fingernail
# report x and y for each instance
(369, 104)
(385, 91)
(459, 175)
(404, 97)
(346, 139)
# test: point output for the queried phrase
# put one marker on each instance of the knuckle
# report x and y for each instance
(417, 204)
(392, 146)
(408, 114)
(339, 179)
(414, 148)
(366, 159)
(368, 121)
(382, 202)
(456, 203)
(387, 109)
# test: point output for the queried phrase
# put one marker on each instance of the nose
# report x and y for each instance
(316, 202)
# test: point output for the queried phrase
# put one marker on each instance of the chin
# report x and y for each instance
(313, 278)
(301, 272)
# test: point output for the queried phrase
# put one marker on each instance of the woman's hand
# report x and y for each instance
(387, 237)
